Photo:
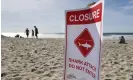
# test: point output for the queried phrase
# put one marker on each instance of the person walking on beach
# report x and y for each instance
(36, 32)
(32, 33)
(27, 32)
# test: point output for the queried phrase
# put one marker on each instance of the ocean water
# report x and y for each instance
(117, 35)
(62, 35)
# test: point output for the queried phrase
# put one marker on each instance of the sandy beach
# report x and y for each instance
(43, 59)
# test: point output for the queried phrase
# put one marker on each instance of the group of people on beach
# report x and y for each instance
(33, 32)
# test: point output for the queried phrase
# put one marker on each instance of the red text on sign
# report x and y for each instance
(88, 16)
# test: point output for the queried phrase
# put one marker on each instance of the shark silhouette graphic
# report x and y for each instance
(86, 45)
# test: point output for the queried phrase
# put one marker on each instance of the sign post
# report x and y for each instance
(83, 43)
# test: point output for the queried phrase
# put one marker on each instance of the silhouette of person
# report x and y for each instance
(27, 32)
(36, 32)
(122, 40)
(32, 33)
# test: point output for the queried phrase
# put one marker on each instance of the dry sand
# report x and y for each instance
(42, 59)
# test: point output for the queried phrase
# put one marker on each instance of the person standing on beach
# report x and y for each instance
(32, 33)
(36, 32)
(27, 32)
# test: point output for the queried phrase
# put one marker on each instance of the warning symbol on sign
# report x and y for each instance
(84, 42)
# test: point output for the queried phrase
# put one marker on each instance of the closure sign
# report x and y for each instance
(83, 43)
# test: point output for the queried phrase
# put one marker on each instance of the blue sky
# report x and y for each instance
(49, 15)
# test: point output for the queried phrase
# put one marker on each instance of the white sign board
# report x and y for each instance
(83, 43)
